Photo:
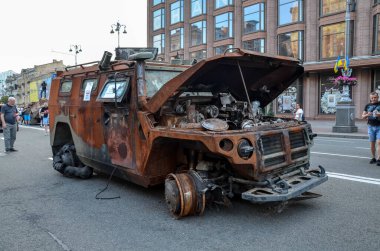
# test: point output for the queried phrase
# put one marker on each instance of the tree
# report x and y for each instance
(4, 99)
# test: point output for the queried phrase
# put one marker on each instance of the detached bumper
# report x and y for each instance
(286, 189)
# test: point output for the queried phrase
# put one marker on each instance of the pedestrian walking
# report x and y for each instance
(9, 118)
(27, 112)
(372, 114)
(299, 113)
(41, 116)
(45, 118)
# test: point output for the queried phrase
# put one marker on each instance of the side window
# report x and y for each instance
(156, 79)
(66, 86)
(113, 89)
(93, 82)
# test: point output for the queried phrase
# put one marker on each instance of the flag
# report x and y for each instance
(336, 66)
(340, 62)
(346, 63)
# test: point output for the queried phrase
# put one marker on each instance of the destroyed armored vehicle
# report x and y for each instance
(198, 129)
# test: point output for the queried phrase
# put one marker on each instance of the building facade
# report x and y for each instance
(26, 86)
(311, 30)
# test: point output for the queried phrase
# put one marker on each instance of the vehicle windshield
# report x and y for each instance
(155, 79)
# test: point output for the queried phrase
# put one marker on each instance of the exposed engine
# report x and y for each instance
(220, 112)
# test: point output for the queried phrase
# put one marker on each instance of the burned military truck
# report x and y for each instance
(198, 129)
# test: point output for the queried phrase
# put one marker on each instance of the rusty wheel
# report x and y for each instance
(182, 197)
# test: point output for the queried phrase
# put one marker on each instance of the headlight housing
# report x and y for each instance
(245, 149)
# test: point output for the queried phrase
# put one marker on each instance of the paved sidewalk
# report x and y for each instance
(324, 129)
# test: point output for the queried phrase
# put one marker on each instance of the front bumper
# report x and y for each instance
(287, 188)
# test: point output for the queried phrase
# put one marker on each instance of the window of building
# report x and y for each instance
(158, 19)
(255, 45)
(290, 11)
(376, 34)
(254, 17)
(291, 44)
(176, 39)
(222, 3)
(155, 2)
(332, 40)
(332, 6)
(176, 12)
(286, 101)
(376, 81)
(223, 26)
(159, 43)
(198, 54)
(198, 7)
(330, 94)
(221, 49)
(198, 33)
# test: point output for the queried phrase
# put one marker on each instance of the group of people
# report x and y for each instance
(10, 117)
(372, 114)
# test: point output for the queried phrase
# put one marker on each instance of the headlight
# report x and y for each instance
(245, 149)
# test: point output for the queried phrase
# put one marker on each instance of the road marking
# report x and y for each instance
(2, 138)
(354, 178)
(50, 158)
(330, 140)
(340, 141)
(66, 248)
(366, 148)
(35, 128)
(341, 155)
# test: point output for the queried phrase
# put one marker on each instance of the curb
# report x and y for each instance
(347, 136)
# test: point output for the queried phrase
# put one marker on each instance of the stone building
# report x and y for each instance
(311, 30)
(26, 86)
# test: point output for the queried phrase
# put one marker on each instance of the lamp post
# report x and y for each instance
(77, 49)
(345, 108)
(117, 27)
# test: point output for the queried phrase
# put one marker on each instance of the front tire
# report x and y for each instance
(67, 163)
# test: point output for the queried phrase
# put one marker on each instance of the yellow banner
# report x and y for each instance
(33, 91)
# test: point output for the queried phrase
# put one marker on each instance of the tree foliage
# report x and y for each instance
(4, 99)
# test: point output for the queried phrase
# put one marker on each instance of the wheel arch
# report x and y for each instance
(62, 136)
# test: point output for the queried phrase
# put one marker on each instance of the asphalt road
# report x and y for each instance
(42, 210)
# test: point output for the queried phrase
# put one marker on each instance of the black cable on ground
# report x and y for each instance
(104, 189)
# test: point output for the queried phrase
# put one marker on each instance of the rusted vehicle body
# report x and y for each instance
(199, 129)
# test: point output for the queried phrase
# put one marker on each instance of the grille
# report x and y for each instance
(299, 154)
(274, 161)
(297, 139)
(272, 144)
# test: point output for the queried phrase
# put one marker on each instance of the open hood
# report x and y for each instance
(265, 77)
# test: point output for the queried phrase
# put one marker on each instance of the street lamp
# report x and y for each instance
(77, 49)
(117, 27)
(345, 108)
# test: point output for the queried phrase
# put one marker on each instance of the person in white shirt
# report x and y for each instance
(299, 113)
